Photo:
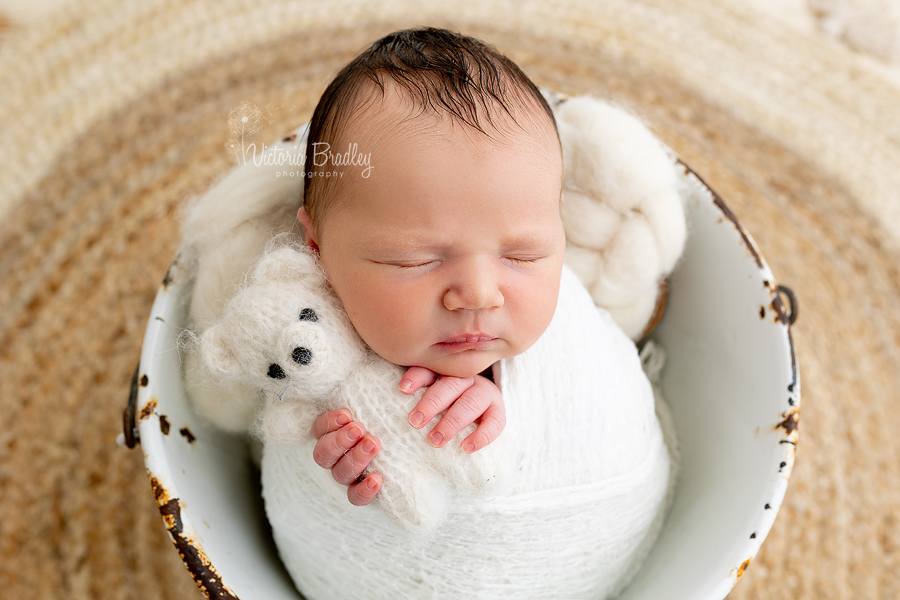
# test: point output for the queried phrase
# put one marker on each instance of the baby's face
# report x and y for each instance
(449, 255)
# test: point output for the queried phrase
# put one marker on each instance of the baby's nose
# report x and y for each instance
(475, 287)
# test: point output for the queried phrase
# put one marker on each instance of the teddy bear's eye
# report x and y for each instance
(308, 314)
(302, 356)
(276, 372)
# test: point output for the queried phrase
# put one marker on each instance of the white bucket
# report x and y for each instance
(731, 380)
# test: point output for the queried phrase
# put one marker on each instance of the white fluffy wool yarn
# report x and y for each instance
(624, 221)
(224, 231)
(285, 332)
(591, 477)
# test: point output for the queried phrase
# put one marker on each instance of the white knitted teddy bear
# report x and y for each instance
(286, 333)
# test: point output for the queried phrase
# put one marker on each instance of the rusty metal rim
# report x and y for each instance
(138, 413)
(792, 301)
(129, 426)
(195, 559)
(790, 417)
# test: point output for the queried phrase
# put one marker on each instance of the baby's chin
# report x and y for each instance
(462, 364)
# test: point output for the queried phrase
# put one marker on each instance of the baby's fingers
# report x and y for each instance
(473, 403)
(415, 378)
(350, 466)
(331, 421)
(332, 446)
(437, 398)
(364, 492)
(492, 423)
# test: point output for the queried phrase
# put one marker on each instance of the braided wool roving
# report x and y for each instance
(625, 225)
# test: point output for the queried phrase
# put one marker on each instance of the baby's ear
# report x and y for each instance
(287, 264)
(217, 354)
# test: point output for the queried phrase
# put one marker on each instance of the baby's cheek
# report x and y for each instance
(392, 326)
(533, 309)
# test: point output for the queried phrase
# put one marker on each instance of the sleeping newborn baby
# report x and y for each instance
(446, 251)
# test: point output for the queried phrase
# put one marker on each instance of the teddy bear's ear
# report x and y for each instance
(287, 264)
(216, 353)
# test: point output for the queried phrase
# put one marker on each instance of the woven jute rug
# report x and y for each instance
(112, 114)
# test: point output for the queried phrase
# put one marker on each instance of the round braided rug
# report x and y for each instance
(114, 113)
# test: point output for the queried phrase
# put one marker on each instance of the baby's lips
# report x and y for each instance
(469, 338)
(468, 342)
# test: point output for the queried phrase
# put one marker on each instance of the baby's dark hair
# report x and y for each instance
(441, 71)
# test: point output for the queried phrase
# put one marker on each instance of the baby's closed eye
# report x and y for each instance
(420, 263)
(524, 260)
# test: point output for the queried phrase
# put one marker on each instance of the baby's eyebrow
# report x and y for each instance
(531, 240)
(406, 244)
(413, 242)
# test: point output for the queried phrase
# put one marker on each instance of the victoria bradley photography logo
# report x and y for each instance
(246, 120)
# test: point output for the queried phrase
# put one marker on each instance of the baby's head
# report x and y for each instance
(446, 247)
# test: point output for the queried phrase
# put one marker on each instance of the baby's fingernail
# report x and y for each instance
(368, 446)
(354, 433)
(469, 448)
(436, 438)
(342, 419)
(417, 419)
(405, 385)
(371, 483)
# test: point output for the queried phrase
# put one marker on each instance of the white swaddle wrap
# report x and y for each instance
(582, 499)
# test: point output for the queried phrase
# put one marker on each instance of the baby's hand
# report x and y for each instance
(466, 400)
(345, 448)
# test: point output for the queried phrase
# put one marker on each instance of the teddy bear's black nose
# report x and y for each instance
(302, 356)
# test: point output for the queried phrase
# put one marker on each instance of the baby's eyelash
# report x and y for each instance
(517, 259)
(403, 265)
(413, 266)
